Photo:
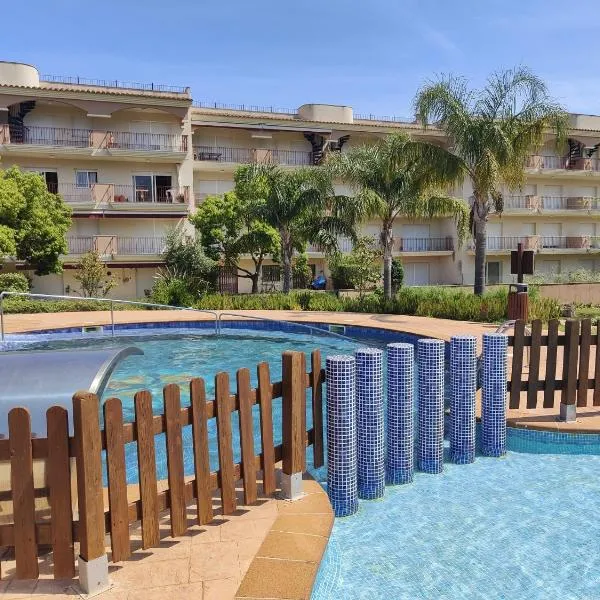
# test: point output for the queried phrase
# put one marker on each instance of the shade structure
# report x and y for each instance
(38, 380)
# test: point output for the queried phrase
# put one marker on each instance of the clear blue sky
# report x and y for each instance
(371, 54)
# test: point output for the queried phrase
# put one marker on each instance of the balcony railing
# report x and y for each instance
(71, 193)
(88, 138)
(249, 155)
(114, 245)
(543, 242)
(539, 161)
(114, 83)
(445, 244)
(147, 141)
(51, 136)
(550, 203)
(143, 194)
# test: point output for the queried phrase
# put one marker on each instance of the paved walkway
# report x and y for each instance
(440, 328)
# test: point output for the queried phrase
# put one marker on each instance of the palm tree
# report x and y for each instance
(301, 205)
(391, 179)
(491, 132)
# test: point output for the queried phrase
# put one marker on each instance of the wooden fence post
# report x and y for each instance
(568, 407)
(294, 418)
(93, 562)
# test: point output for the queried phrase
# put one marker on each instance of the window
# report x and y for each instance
(86, 179)
(271, 273)
(493, 272)
(153, 188)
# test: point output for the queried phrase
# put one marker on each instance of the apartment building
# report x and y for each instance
(133, 160)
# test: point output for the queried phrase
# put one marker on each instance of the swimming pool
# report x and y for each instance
(512, 528)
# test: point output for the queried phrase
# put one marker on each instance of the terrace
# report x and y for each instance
(574, 243)
(223, 154)
(549, 204)
(34, 138)
(115, 246)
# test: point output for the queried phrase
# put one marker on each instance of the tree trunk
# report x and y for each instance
(387, 245)
(479, 226)
(254, 279)
(287, 252)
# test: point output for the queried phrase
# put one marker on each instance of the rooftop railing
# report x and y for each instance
(114, 83)
(244, 107)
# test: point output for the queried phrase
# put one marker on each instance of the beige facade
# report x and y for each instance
(133, 162)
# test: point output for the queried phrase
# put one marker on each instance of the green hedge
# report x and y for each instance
(439, 302)
(30, 306)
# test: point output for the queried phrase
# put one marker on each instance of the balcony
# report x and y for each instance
(543, 204)
(109, 197)
(408, 245)
(112, 247)
(575, 243)
(90, 142)
(253, 155)
(403, 245)
(544, 162)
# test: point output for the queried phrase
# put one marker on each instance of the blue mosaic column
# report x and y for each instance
(342, 486)
(430, 438)
(399, 465)
(369, 423)
(463, 377)
(493, 399)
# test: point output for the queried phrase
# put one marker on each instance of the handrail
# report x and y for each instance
(310, 327)
(92, 299)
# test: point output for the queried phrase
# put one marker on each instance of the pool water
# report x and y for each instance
(520, 527)
(178, 356)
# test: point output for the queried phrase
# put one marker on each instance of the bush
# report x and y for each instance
(29, 306)
(397, 275)
(173, 291)
(13, 282)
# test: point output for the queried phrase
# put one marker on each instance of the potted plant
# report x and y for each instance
(180, 198)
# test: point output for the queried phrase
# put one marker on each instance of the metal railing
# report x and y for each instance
(112, 244)
(244, 107)
(384, 118)
(223, 154)
(311, 328)
(50, 136)
(290, 157)
(71, 192)
(444, 244)
(111, 301)
(115, 83)
(543, 161)
(218, 316)
(503, 242)
(151, 142)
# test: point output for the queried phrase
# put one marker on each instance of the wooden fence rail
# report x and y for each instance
(54, 524)
(566, 360)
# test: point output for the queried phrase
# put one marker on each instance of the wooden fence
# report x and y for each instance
(557, 363)
(88, 519)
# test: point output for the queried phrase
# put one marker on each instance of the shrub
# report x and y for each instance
(397, 275)
(13, 282)
(30, 306)
(174, 291)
